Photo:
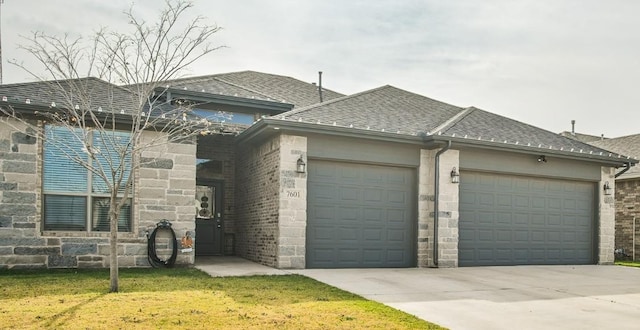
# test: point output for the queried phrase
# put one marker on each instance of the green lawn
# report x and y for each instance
(188, 299)
(628, 263)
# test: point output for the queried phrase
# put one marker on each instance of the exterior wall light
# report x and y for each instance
(455, 176)
(301, 166)
(607, 189)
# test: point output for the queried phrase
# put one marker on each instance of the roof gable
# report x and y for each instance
(386, 108)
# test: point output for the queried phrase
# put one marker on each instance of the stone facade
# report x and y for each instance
(292, 217)
(272, 204)
(164, 189)
(606, 228)
(21, 246)
(627, 211)
(448, 213)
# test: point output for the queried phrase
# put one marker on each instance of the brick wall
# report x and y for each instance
(164, 189)
(257, 201)
(627, 197)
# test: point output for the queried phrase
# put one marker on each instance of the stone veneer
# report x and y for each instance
(606, 226)
(627, 210)
(164, 189)
(21, 246)
(292, 218)
(448, 213)
(271, 202)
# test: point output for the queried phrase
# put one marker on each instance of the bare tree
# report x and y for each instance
(140, 61)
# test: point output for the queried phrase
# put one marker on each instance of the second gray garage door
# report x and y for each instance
(516, 220)
(360, 216)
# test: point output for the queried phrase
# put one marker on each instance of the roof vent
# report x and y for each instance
(320, 85)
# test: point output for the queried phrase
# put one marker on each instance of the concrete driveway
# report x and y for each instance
(516, 297)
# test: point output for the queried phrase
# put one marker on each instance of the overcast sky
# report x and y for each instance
(542, 62)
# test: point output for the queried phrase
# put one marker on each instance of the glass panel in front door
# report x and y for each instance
(205, 202)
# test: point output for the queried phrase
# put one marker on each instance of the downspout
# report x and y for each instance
(436, 197)
(627, 166)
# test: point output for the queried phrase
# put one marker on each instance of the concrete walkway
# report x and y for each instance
(234, 266)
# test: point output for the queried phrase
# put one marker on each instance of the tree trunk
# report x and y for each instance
(113, 247)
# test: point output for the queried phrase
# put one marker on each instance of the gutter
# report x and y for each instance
(268, 124)
(627, 166)
(275, 107)
(436, 199)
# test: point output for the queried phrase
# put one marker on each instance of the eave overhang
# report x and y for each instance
(271, 107)
(267, 127)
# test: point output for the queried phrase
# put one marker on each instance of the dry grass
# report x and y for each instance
(186, 298)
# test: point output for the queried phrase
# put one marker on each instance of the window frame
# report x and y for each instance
(91, 194)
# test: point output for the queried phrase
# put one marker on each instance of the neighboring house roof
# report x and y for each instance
(99, 93)
(395, 112)
(627, 145)
(256, 85)
(586, 138)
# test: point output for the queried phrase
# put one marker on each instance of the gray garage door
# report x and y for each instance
(514, 220)
(360, 216)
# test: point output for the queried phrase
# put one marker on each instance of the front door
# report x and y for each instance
(209, 231)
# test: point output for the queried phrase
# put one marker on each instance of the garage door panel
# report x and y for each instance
(347, 214)
(372, 234)
(506, 219)
(378, 203)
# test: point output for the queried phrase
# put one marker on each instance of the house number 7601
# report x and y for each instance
(295, 194)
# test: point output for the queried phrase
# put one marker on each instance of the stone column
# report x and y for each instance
(447, 210)
(292, 220)
(607, 216)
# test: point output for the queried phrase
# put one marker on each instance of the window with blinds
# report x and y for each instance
(75, 199)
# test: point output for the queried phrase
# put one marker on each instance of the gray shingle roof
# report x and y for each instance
(586, 138)
(385, 108)
(257, 85)
(626, 145)
(485, 125)
(400, 112)
(91, 92)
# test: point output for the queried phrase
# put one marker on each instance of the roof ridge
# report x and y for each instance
(453, 120)
(203, 77)
(338, 99)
